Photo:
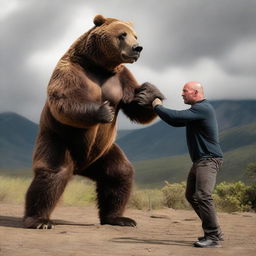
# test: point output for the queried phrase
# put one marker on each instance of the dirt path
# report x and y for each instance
(159, 232)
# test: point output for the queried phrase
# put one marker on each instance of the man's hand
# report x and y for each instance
(157, 101)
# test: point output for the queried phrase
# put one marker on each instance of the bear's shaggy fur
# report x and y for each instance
(78, 123)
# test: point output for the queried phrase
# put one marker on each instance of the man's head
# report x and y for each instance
(192, 92)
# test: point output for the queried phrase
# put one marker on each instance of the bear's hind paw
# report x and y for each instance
(119, 221)
(35, 223)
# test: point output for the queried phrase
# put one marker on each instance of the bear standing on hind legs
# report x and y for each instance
(78, 123)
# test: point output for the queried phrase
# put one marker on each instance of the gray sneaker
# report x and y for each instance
(207, 243)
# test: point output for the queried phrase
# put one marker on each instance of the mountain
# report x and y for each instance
(238, 145)
(162, 140)
(238, 137)
(233, 113)
(123, 133)
(156, 141)
(17, 136)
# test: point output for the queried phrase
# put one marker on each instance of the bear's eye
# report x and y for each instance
(122, 36)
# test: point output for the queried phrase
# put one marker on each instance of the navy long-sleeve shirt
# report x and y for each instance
(201, 128)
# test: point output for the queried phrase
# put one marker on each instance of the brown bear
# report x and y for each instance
(87, 89)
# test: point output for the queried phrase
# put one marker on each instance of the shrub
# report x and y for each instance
(174, 195)
(250, 196)
(146, 199)
(231, 197)
(227, 204)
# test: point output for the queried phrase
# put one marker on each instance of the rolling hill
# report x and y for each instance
(162, 140)
(175, 169)
(17, 135)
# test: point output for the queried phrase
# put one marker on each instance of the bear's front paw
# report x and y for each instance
(147, 93)
(106, 113)
(119, 221)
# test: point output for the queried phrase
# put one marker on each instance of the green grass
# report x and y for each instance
(153, 173)
(236, 162)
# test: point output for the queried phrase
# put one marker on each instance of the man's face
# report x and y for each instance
(188, 95)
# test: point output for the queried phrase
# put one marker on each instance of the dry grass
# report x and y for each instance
(78, 192)
(228, 197)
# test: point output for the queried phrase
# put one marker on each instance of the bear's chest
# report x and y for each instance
(112, 90)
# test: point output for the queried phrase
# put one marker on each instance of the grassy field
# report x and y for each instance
(80, 192)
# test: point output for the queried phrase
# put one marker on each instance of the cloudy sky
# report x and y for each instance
(213, 42)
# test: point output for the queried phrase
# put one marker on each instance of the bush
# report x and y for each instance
(227, 204)
(174, 195)
(250, 196)
(230, 197)
(146, 199)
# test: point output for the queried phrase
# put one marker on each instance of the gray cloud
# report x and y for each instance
(212, 41)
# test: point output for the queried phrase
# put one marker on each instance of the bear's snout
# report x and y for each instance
(137, 48)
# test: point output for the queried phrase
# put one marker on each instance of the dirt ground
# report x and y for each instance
(159, 232)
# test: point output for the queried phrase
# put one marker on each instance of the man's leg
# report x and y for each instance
(206, 171)
(191, 189)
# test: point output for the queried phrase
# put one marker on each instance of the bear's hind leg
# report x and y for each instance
(113, 174)
(52, 173)
(42, 197)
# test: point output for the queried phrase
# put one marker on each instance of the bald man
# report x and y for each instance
(206, 155)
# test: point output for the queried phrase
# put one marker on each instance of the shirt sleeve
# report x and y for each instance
(178, 118)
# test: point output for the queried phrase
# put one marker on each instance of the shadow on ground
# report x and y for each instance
(16, 222)
(150, 241)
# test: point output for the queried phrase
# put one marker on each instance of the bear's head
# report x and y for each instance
(110, 42)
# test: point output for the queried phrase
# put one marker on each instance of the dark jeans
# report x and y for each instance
(200, 185)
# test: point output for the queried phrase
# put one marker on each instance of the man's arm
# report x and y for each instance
(176, 118)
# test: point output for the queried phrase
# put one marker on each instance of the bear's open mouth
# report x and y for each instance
(130, 57)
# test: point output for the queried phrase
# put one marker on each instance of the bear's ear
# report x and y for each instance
(99, 20)
(130, 23)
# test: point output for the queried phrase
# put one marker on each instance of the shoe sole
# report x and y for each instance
(203, 238)
(212, 246)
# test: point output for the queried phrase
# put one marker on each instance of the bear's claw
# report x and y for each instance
(35, 223)
(48, 225)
